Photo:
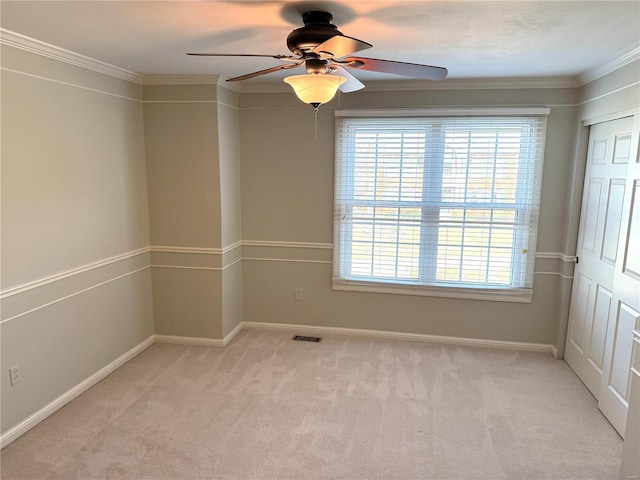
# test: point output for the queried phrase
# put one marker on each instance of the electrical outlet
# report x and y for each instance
(297, 294)
(14, 375)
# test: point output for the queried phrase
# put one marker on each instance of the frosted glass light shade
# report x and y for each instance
(316, 88)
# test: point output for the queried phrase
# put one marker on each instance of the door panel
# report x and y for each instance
(592, 211)
(622, 148)
(619, 376)
(632, 261)
(599, 330)
(601, 318)
(599, 155)
(612, 221)
(581, 292)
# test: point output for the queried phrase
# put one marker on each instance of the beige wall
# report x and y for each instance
(181, 138)
(229, 158)
(183, 174)
(612, 93)
(192, 142)
(231, 207)
(73, 169)
(287, 196)
(76, 286)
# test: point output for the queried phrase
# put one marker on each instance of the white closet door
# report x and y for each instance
(625, 306)
(593, 303)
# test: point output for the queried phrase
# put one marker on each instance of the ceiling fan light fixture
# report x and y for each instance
(315, 88)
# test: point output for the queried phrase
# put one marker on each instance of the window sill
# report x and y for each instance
(513, 296)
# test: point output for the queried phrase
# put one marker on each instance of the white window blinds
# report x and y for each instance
(438, 202)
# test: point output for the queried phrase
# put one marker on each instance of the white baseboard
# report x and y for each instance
(356, 332)
(232, 334)
(31, 421)
(196, 341)
(199, 341)
(555, 353)
(411, 337)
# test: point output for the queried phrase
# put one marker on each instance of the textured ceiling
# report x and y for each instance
(473, 39)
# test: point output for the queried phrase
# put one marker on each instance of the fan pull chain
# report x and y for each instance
(315, 117)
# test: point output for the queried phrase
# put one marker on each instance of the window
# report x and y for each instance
(438, 205)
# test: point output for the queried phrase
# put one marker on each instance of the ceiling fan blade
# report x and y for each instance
(340, 45)
(352, 84)
(263, 72)
(277, 57)
(415, 70)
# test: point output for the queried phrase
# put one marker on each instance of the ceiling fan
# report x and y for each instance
(326, 52)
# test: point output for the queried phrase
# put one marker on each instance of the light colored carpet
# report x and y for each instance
(266, 407)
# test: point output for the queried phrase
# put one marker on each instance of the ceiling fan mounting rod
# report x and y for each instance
(317, 17)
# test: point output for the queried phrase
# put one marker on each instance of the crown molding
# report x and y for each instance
(628, 56)
(263, 87)
(474, 84)
(449, 84)
(181, 80)
(218, 80)
(23, 42)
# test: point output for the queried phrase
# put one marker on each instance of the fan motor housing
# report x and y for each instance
(317, 29)
(316, 65)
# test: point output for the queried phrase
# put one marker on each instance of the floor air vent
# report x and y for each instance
(302, 338)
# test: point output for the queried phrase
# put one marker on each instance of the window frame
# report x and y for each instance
(510, 294)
